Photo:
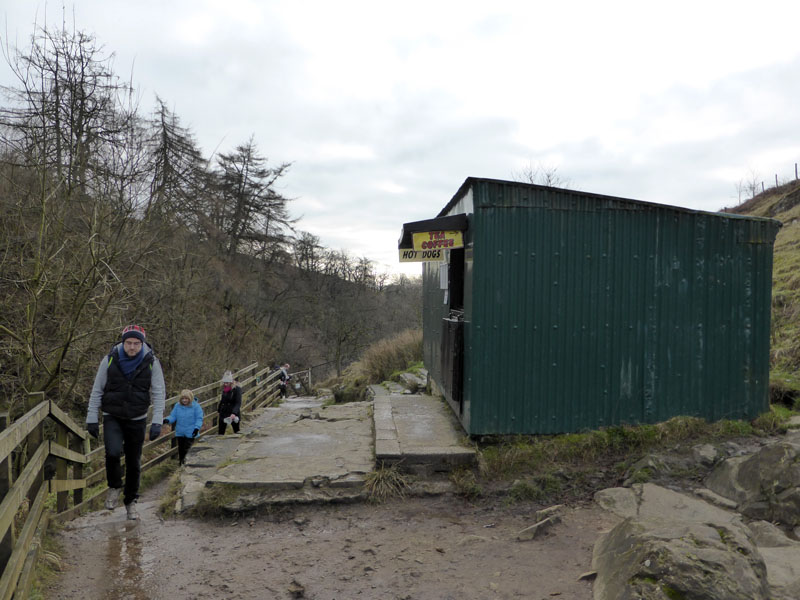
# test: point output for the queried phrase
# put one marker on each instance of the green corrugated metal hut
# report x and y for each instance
(568, 311)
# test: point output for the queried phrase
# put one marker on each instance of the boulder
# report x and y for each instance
(767, 535)
(705, 454)
(413, 383)
(644, 560)
(671, 545)
(715, 498)
(645, 469)
(764, 485)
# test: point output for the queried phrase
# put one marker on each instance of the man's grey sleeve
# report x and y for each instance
(158, 392)
(96, 397)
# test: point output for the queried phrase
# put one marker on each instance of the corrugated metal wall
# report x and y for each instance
(590, 311)
(433, 311)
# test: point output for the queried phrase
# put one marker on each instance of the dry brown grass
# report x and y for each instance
(391, 355)
(378, 364)
(385, 482)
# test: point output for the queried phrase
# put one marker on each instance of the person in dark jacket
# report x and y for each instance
(230, 404)
(127, 382)
(284, 379)
(186, 419)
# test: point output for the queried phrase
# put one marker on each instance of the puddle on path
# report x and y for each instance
(129, 563)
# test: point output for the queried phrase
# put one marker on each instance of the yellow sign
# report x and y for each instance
(409, 255)
(438, 240)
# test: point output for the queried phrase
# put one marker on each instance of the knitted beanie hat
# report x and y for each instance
(227, 377)
(133, 331)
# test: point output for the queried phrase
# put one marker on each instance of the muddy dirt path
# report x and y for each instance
(421, 548)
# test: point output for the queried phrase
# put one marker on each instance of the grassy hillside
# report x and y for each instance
(783, 203)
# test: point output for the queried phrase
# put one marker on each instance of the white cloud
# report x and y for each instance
(384, 109)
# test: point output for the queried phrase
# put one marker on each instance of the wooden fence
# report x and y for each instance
(45, 452)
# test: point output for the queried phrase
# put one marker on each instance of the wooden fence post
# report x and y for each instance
(35, 439)
(77, 444)
(62, 498)
(6, 481)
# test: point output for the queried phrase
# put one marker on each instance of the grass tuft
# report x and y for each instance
(466, 484)
(385, 482)
(166, 507)
(212, 501)
(158, 473)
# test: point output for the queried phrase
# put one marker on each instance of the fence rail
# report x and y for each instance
(46, 452)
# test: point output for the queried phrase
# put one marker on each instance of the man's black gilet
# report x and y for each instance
(127, 398)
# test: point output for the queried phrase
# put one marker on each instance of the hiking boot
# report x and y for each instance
(131, 509)
(112, 497)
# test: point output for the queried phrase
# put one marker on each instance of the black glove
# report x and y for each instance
(155, 431)
(166, 421)
(195, 432)
(93, 429)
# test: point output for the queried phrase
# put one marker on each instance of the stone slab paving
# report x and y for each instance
(418, 432)
(298, 452)
(304, 451)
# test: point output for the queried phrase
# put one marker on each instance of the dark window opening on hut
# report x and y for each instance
(455, 279)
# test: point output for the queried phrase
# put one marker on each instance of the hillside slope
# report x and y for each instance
(783, 203)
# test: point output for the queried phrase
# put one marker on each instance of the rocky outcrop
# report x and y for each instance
(725, 542)
(764, 485)
(675, 546)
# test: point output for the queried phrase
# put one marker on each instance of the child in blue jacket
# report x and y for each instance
(186, 419)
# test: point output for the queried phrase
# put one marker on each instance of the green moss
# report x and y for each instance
(773, 421)
(673, 594)
(535, 489)
(641, 475)
(646, 579)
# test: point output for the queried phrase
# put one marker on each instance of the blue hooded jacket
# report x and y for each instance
(186, 418)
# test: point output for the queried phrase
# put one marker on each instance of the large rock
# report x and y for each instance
(675, 546)
(782, 557)
(765, 485)
(644, 561)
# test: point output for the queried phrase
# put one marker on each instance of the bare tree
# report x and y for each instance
(179, 174)
(249, 213)
(68, 108)
(752, 185)
(68, 185)
(308, 252)
(540, 174)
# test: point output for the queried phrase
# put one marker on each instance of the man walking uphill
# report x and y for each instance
(128, 380)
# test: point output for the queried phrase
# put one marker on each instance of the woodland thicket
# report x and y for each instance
(110, 214)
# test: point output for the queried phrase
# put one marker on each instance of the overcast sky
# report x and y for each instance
(384, 108)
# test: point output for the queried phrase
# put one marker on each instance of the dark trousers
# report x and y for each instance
(124, 435)
(184, 443)
(223, 425)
